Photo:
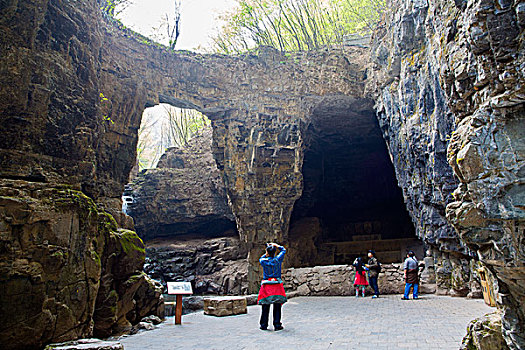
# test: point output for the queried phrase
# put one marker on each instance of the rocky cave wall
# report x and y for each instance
(448, 81)
(74, 85)
(350, 200)
(58, 58)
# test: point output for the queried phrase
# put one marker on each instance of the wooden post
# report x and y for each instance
(178, 309)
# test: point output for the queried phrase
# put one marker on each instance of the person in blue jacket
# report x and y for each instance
(272, 289)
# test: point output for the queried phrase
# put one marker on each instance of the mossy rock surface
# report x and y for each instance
(485, 333)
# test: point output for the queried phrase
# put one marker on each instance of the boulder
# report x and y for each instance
(485, 333)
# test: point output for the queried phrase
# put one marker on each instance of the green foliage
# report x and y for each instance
(295, 25)
(115, 7)
(167, 127)
(106, 106)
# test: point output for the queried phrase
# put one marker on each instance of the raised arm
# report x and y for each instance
(282, 251)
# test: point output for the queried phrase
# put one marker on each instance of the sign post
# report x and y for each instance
(179, 289)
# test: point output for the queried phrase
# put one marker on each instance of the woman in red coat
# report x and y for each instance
(360, 281)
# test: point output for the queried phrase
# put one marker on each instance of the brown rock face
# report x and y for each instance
(52, 240)
(60, 253)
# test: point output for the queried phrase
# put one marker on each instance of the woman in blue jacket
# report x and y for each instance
(272, 289)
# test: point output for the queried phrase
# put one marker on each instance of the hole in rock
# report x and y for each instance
(176, 193)
(351, 201)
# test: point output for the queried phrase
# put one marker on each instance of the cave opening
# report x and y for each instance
(351, 201)
(175, 193)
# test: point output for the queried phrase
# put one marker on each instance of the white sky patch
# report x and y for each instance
(199, 19)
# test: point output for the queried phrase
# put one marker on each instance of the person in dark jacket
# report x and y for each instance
(272, 289)
(411, 275)
(374, 267)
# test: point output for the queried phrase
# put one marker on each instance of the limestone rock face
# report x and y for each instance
(52, 241)
(416, 121)
(126, 293)
(184, 195)
(448, 77)
(59, 253)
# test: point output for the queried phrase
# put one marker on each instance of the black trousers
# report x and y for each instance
(265, 314)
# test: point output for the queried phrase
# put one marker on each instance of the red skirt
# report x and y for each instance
(360, 279)
(271, 292)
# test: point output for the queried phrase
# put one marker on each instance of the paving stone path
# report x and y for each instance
(433, 322)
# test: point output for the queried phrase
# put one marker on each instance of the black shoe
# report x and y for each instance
(403, 298)
(278, 328)
(263, 328)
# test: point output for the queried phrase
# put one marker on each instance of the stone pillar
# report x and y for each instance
(261, 157)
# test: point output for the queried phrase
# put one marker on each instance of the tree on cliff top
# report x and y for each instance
(166, 126)
(295, 25)
(115, 7)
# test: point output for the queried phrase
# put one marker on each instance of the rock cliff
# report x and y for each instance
(448, 79)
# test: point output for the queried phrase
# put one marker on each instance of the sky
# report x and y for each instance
(198, 19)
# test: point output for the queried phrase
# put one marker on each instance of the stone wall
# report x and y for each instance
(339, 280)
(447, 77)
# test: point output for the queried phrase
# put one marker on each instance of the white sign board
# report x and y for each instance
(179, 288)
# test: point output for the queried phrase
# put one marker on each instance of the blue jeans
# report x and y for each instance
(373, 284)
(407, 289)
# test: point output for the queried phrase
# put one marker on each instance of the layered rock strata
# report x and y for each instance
(448, 79)
(66, 269)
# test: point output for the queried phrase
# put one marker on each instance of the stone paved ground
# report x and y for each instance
(433, 322)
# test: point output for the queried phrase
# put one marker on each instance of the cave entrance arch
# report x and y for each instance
(174, 176)
(351, 201)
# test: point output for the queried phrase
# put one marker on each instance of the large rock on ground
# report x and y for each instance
(484, 333)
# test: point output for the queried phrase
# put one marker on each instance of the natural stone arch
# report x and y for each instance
(257, 119)
(63, 55)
